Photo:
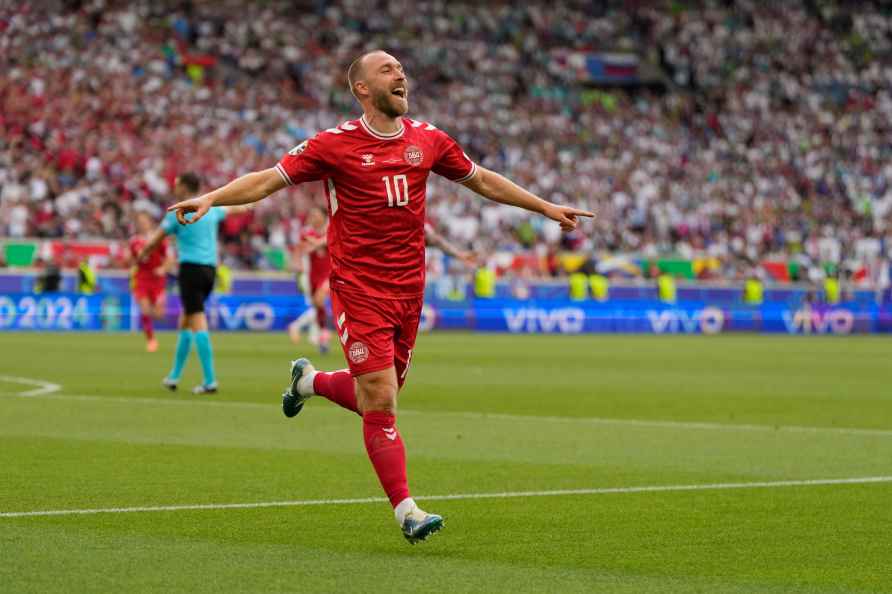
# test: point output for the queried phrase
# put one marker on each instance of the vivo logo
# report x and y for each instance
(710, 320)
(810, 321)
(566, 320)
(253, 316)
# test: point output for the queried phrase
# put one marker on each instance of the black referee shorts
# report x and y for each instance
(196, 283)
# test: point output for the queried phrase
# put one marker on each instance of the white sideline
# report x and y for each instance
(503, 495)
(647, 423)
(677, 424)
(43, 387)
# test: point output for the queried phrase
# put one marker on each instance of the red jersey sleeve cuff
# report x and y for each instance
(470, 174)
(284, 175)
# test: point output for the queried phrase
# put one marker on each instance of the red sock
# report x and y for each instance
(320, 316)
(146, 322)
(387, 453)
(338, 387)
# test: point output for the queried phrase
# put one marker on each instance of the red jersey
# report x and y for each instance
(146, 269)
(376, 186)
(319, 262)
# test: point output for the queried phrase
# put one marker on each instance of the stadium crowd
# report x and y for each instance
(772, 138)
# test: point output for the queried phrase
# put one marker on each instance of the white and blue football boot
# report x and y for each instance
(301, 388)
(418, 525)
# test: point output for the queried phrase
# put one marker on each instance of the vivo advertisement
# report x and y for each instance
(116, 312)
(654, 317)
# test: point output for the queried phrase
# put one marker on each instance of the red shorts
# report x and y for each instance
(149, 288)
(376, 333)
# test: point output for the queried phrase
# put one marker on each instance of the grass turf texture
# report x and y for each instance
(113, 438)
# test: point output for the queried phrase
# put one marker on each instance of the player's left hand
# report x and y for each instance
(567, 216)
(200, 206)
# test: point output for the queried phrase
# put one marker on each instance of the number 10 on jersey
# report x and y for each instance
(398, 191)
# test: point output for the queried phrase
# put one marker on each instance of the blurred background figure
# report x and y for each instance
(314, 268)
(198, 256)
(149, 277)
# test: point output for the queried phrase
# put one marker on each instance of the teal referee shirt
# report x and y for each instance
(196, 243)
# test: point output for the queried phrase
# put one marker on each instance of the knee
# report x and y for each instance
(378, 395)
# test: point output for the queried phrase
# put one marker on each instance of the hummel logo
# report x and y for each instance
(368, 159)
(390, 433)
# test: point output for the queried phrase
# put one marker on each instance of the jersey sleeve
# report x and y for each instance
(451, 162)
(170, 224)
(304, 163)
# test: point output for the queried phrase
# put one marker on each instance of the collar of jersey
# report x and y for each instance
(381, 135)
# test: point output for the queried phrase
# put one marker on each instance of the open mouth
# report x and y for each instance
(399, 92)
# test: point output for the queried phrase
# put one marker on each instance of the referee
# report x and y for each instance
(197, 250)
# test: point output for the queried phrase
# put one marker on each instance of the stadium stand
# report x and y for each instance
(715, 139)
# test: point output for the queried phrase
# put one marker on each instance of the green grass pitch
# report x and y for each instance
(480, 415)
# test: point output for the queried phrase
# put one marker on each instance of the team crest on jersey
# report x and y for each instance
(298, 149)
(358, 353)
(368, 159)
(413, 155)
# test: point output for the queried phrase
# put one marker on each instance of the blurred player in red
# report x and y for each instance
(149, 277)
(375, 171)
(313, 251)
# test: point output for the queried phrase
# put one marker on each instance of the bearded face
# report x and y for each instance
(392, 100)
(384, 81)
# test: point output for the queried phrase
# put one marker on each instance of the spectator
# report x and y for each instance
(771, 143)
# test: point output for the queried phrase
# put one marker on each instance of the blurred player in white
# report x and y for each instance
(375, 169)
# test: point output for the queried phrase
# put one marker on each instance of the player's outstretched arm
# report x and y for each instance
(249, 188)
(151, 244)
(498, 188)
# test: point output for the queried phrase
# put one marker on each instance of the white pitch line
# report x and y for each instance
(43, 387)
(646, 423)
(502, 495)
(675, 424)
(187, 400)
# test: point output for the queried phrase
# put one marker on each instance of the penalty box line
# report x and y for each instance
(465, 496)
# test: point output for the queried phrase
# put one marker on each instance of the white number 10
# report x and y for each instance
(398, 196)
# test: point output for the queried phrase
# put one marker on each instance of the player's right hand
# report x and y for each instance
(200, 206)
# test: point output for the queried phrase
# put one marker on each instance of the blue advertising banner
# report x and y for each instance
(264, 313)
(256, 314)
(259, 313)
(655, 317)
(64, 311)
